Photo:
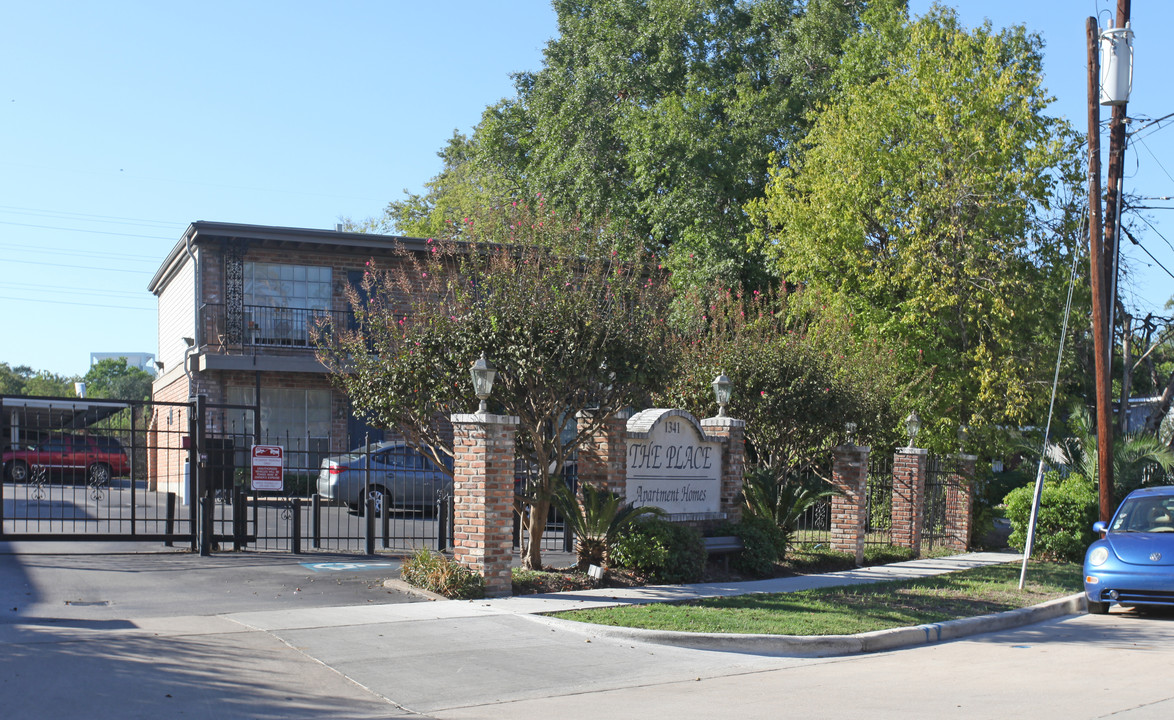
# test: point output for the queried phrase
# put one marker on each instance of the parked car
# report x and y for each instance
(97, 458)
(1133, 562)
(400, 477)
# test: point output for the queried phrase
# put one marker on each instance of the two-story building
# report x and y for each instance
(237, 308)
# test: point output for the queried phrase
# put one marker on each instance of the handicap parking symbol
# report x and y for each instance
(340, 566)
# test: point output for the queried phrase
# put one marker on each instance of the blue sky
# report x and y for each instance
(121, 122)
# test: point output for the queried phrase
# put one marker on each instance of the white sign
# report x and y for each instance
(268, 467)
(675, 467)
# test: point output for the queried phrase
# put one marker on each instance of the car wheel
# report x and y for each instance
(99, 475)
(1097, 608)
(17, 471)
(381, 498)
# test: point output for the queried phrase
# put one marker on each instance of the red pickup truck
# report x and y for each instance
(99, 458)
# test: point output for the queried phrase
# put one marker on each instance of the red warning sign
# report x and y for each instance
(268, 467)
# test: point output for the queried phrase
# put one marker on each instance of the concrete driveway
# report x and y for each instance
(244, 638)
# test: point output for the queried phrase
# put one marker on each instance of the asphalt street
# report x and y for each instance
(146, 635)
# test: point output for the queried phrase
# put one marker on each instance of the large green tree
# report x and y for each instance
(800, 369)
(574, 324)
(660, 115)
(113, 378)
(934, 201)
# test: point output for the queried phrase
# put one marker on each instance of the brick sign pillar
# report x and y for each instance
(960, 503)
(733, 436)
(909, 465)
(483, 497)
(603, 457)
(849, 511)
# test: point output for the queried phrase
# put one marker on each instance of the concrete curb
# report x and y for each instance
(409, 589)
(833, 645)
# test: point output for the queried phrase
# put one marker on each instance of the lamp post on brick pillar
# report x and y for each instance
(733, 436)
(603, 456)
(483, 489)
(960, 503)
(849, 512)
(908, 508)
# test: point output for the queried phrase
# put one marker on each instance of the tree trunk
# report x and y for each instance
(535, 527)
(1126, 372)
(1154, 421)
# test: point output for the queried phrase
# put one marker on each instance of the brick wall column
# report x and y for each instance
(849, 513)
(960, 503)
(909, 466)
(483, 497)
(733, 435)
(603, 457)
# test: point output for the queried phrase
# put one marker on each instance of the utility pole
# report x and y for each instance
(1097, 275)
(1113, 193)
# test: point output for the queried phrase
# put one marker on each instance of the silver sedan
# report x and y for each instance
(400, 478)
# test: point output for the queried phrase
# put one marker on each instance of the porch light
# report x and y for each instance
(483, 376)
(721, 390)
(912, 426)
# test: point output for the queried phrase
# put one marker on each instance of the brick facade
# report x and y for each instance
(909, 468)
(483, 495)
(603, 457)
(849, 511)
(733, 435)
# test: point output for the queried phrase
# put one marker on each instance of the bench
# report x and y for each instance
(723, 545)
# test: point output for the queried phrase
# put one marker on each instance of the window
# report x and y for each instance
(282, 302)
(297, 419)
(302, 287)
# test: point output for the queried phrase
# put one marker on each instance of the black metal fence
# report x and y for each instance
(813, 527)
(938, 474)
(878, 489)
(374, 496)
(75, 469)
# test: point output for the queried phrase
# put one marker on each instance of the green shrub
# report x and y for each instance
(442, 575)
(663, 551)
(763, 544)
(1068, 508)
(885, 554)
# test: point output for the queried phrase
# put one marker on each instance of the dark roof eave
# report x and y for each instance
(204, 230)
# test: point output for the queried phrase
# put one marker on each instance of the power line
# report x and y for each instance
(89, 217)
(73, 290)
(95, 232)
(19, 247)
(1155, 157)
(66, 302)
(1147, 252)
(82, 267)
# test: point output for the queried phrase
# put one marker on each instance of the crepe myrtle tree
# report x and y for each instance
(800, 369)
(572, 319)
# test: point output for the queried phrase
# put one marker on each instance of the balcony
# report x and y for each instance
(254, 327)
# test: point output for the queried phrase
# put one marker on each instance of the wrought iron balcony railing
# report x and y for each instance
(265, 326)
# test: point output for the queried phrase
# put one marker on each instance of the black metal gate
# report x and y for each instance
(78, 469)
(179, 473)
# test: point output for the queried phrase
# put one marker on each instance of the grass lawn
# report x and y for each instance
(853, 609)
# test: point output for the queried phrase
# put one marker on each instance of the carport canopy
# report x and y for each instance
(43, 413)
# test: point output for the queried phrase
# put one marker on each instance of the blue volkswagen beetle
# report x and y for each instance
(1133, 562)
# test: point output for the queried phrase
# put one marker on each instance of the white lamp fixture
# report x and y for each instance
(721, 390)
(483, 376)
(912, 426)
(850, 430)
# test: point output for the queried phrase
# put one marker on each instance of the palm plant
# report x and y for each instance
(1133, 454)
(595, 519)
(783, 497)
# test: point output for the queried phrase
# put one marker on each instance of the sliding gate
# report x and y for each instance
(179, 474)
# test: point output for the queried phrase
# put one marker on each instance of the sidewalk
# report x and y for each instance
(410, 659)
